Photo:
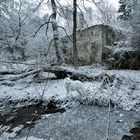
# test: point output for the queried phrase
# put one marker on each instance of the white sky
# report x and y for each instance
(115, 3)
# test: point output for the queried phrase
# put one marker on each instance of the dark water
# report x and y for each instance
(85, 122)
(81, 122)
(134, 132)
(27, 115)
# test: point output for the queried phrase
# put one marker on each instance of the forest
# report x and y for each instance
(69, 69)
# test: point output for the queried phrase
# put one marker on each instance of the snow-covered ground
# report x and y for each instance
(124, 91)
(84, 123)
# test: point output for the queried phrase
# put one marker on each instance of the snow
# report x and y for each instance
(30, 138)
(124, 92)
(123, 49)
(7, 136)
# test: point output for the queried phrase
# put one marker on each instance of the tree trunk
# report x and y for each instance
(75, 58)
(55, 32)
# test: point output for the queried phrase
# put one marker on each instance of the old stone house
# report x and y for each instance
(91, 44)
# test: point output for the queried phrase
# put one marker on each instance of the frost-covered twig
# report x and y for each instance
(109, 111)
(37, 117)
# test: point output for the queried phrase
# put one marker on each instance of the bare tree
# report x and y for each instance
(55, 32)
(75, 57)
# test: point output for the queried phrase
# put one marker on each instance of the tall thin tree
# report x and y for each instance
(75, 56)
(55, 32)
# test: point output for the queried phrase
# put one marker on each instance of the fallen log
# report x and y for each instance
(14, 72)
(10, 72)
(61, 72)
(21, 76)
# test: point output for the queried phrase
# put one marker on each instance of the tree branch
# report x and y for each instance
(48, 25)
(65, 32)
(41, 27)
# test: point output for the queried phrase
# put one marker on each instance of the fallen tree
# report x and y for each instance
(59, 71)
(62, 72)
(20, 76)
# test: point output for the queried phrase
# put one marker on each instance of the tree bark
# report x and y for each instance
(55, 32)
(75, 57)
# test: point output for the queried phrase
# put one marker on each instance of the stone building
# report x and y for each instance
(91, 44)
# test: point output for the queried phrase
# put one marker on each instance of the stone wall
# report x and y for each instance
(91, 44)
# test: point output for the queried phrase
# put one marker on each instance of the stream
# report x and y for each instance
(80, 122)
